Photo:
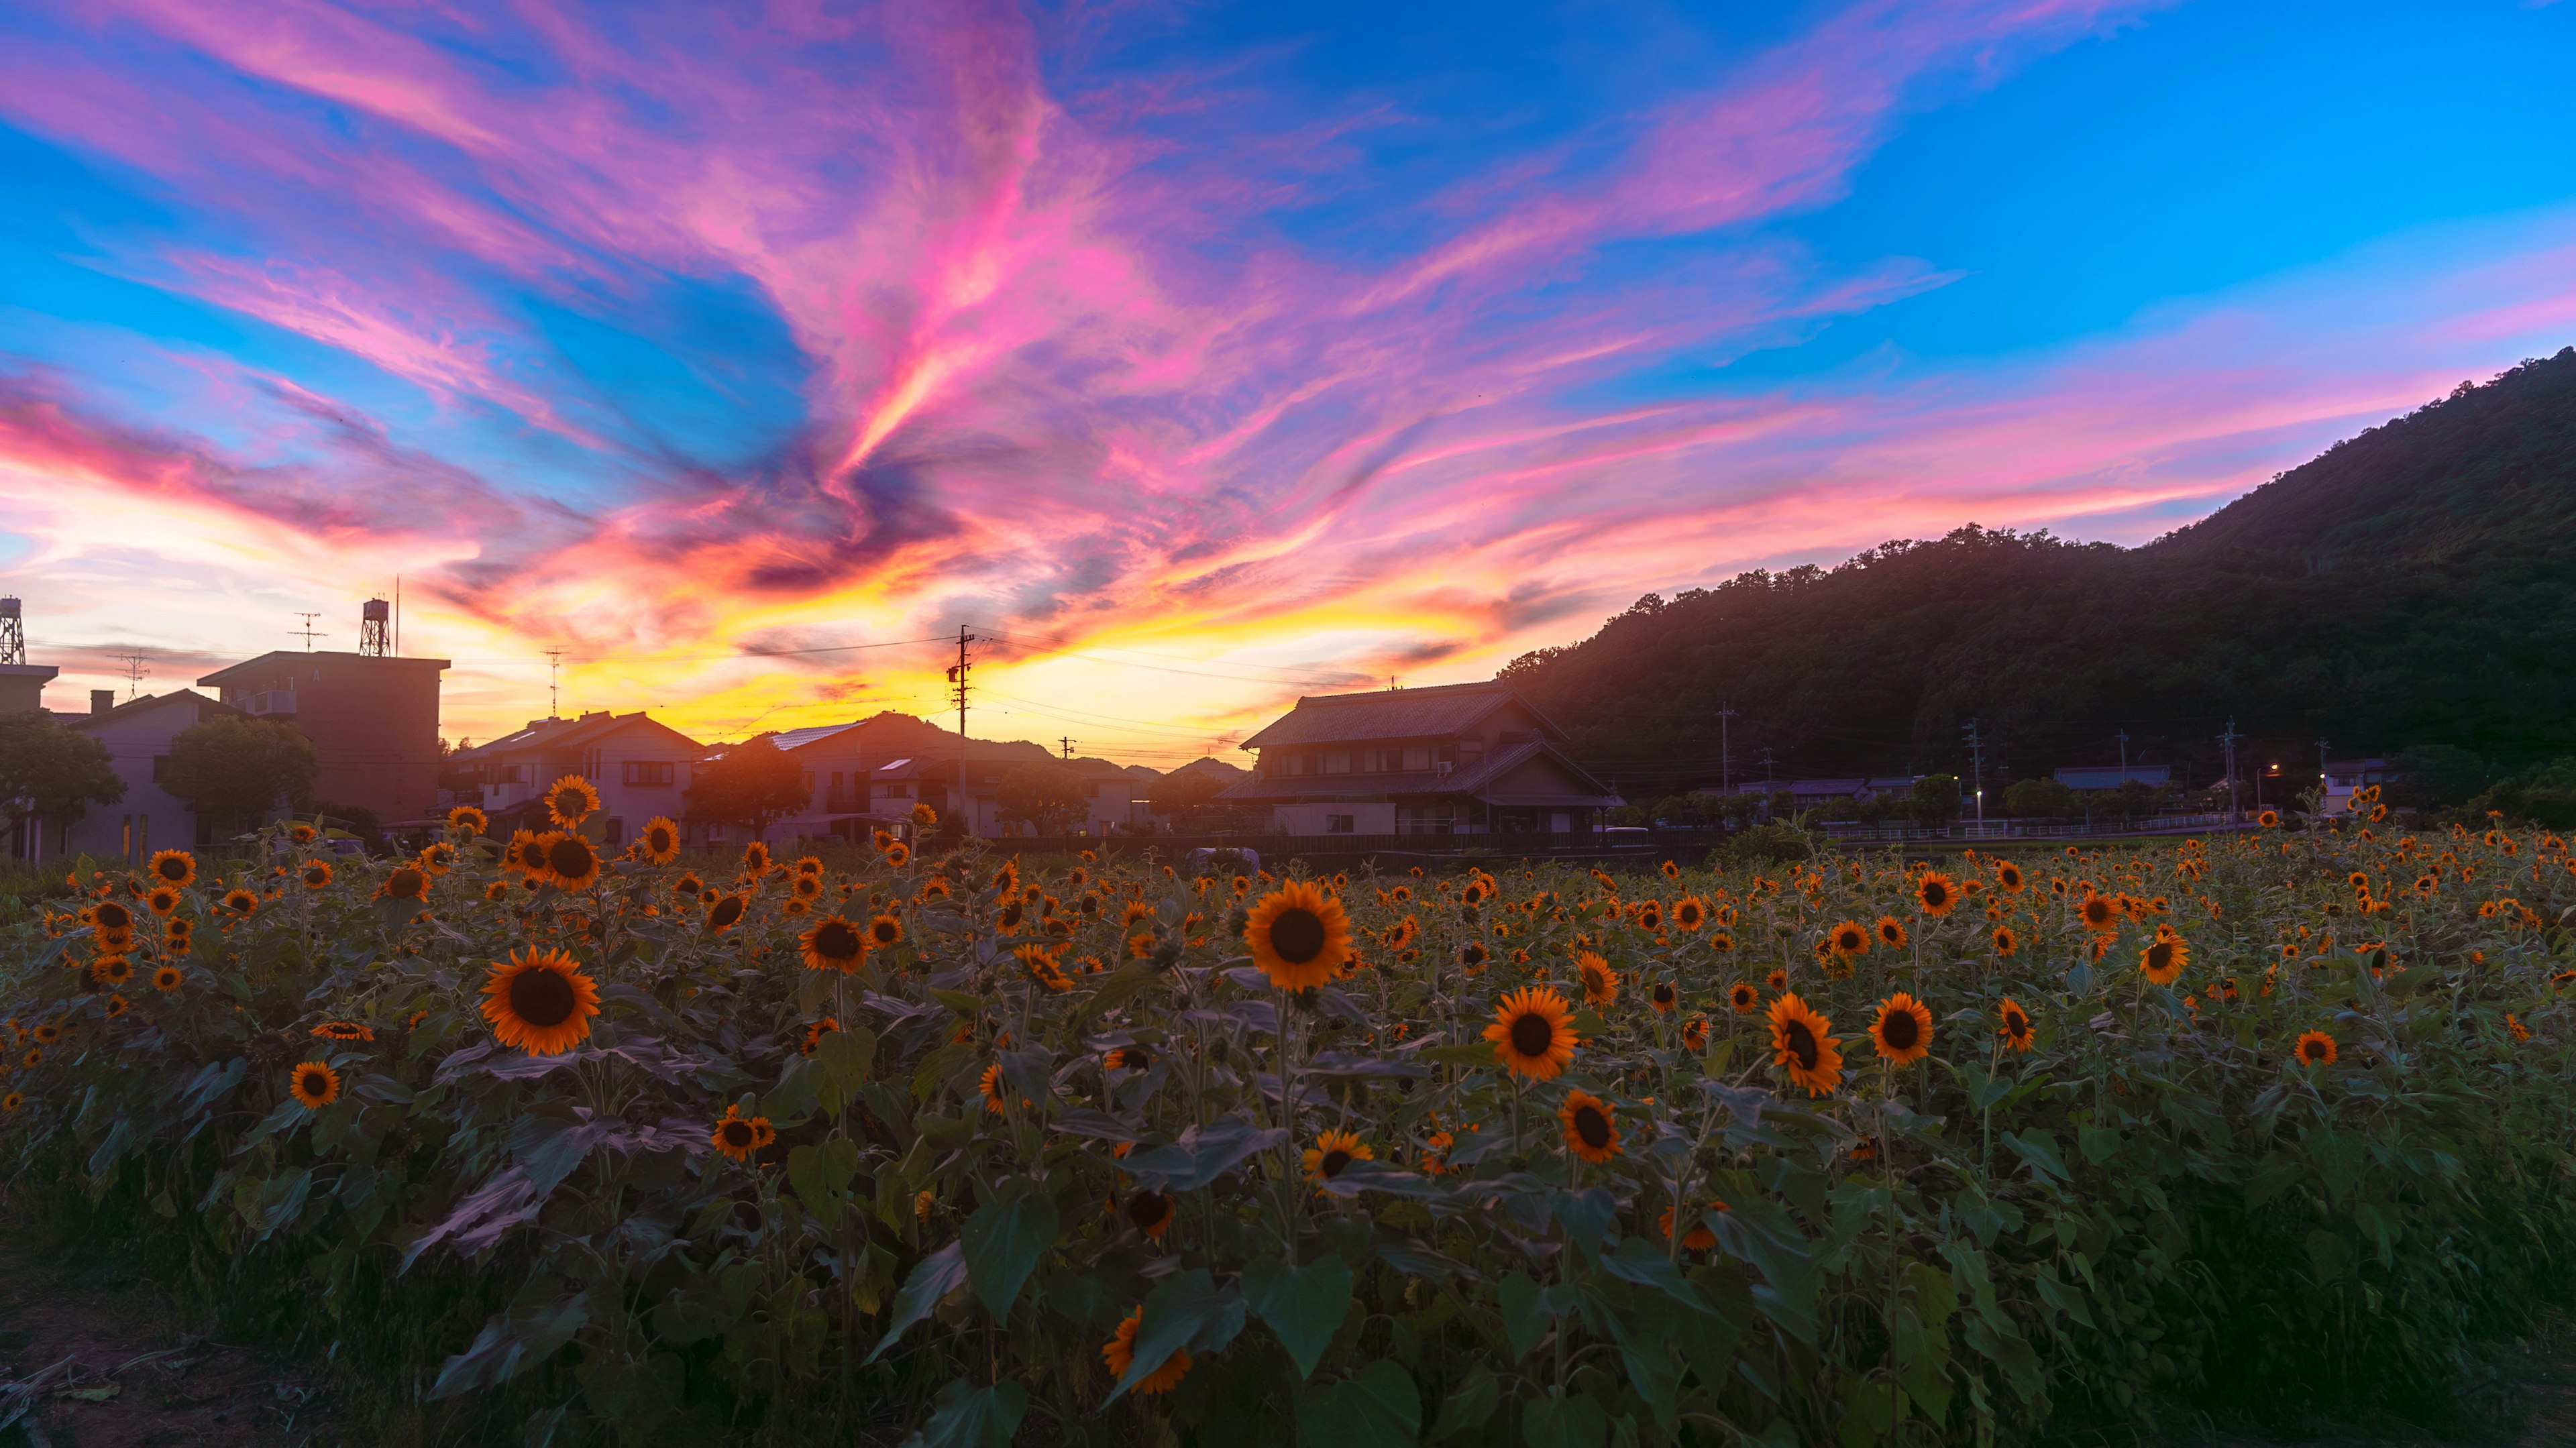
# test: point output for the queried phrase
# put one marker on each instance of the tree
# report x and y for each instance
(1048, 796)
(51, 773)
(236, 769)
(1186, 797)
(2041, 799)
(1935, 801)
(754, 784)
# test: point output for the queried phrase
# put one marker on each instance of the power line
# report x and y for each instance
(1019, 641)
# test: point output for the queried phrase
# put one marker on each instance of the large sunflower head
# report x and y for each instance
(407, 883)
(2163, 961)
(1689, 913)
(2013, 1024)
(1937, 893)
(175, 868)
(1600, 982)
(726, 911)
(1531, 1034)
(1848, 939)
(1903, 1031)
(2009, 876)
(570, 800)
(314, 1085)
(1590, 1130)
(2101, 914)
(660, 838)
(1801, 1045)
(1333, 1152)
(571, 863)
(885, 932)
(755, 858)
(2316, 1048)
(466, 820)
(111, 917)
(540, 1002)
(833, 944)
(1299, 935)
(1891, 932)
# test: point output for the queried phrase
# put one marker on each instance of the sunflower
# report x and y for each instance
(1650, 916)
(1600, 982)
(1663, 997)
(2014, 1025)
(1937, 893)
(175, 868)
(47, 1033)
(755, 858)
(1299, 936)
(885, 931)
(301, 833)
(1800, 1044)
(437, 859)
(2010, 877)
(833, 944)
(2163, 961)
(12, 1101)
(660, 839)
(525, 854)
(1129, 1058)
(1699, 1238)
(162, 900)
(1590, 1131)
(1695, 1034)
(466, 819)
(179, 932)
(1120, 1354)
(897, 853)
(1689, 913)
(1150, 1212)
(571, 863)
(240, 902)
(167, 978)
(2269, 819)
(570, 800)
(111, 970)
(345, 1031)
(738, 1136)
(726, 912)
(990, 1084)
(1891, 932)
(314, 1085)
(1903, 1031)
(815, 1033)
(497, 890)
(1530, 1033)
(2316, 1048)
(1332, 1153)
(316, 874)
(1744, 998)
(807, 887)
(2100, 913)
(118, 1005)
(406, 882)
(111, 917)
(541, 1002)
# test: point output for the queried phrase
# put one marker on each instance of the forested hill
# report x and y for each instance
(2412, 586)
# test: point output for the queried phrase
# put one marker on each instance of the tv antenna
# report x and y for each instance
(309, 631)
(554, 694)
(135, 674)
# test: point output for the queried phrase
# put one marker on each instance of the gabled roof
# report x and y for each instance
(224, 675)
(133, 708)
(1474, 781)
(546, 735)
(1393, 714)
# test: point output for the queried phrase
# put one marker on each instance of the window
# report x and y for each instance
(1301, 764)
(1417, 757)
(1337, 761)
(647, 773)
(1340, 824)
(1428, 819)
(901, 789)
(511, 774)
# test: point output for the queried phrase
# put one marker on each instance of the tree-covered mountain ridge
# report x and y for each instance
(2411, 586)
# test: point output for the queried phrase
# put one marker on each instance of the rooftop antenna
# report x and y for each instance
(135, 674)
(374, 620)
(309, 631)
(13, 633)
(554, 695)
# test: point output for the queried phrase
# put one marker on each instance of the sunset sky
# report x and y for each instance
(1198, 356)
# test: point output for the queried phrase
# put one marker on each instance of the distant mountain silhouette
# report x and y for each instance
(2411, 586)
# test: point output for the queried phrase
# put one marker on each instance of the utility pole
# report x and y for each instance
(2321, 776)
(554, 692)
(2123, 737)
(957, 683)
(309, 631)
(1725, 757)
(2227, 741)
(1067, 742)
(1977, 761)
(1766, 765)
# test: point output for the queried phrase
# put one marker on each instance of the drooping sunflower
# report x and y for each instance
(1891, 932)
(1903, 1031)
(755, 858)
(1120, 1354)
(118, 1005)
(660, 838)
(1129, 1058)
(2100, 913)
(815, 1033)
(175, 868)
(1299, 935)
(1937, 893)
(990, 1084)
(314, 1085)
(1590, 1131)
(571, 863)
(467, 820)
(2316, 1048)
(1695, 1034)
(726, 912)
(1530, 1033)
(345, 1031)
(1699, 1238)
(1848, 939)
(2162, 962)
(570, 800)
(240, 902)
(407, 883)
(739, 1136)
(1333, 1152)
(833, 944)
(167, 978)
(540, 1002)
(1801, 1045)
(1663, 997)
(2005, 941)
(1150, 1212)
(2013, 1024)
(161, 900)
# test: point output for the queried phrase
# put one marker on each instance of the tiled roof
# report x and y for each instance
(146, 704)
(560, 734)
(1392, 714)
(1473, 781)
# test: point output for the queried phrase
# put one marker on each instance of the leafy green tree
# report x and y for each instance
(1049, 797)
(238, 771)
(2545, 796)
(51, 773)
(753, 784)
(1186, 798)
(2435, 776)
(2041, 799)
(1936, 800)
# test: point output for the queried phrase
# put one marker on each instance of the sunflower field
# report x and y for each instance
(566, 1146)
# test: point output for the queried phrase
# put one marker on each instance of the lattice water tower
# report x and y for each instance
(375, 638)
(13, 633)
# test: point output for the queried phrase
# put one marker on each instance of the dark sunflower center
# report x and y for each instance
(737, 1133)
(405, 884)
(1148, 1209)
(1532, 1034)
(1663, 994)
(1334, 1161)
(174, 871)
(532, 855)
(1901, 1030)
(314, 1081)
(1936, 895)
(114, 916)
(1297, 935)
(1849, 940)
(2314, 1050)
(658, 840)
(571, 857)
(541, 997)
(1802, 1043)
(1135, 1058)
(836, 941)
(727, 911)
(1591, 1127)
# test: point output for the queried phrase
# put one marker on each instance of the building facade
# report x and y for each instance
(137, 736)
(1453, 759)
(373, 720)
(1113, 798)
(639, 765)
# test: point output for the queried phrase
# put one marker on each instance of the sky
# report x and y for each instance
(723, 360)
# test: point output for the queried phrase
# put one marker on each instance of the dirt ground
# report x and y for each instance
(104, 1362)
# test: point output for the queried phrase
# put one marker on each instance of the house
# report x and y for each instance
(839, 760)
(1827, 792)
(1115, 797)
(1450, 759)
(2345, 778)
(137, 735)
(2112, 776)
(373, 720)
(639, 765)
